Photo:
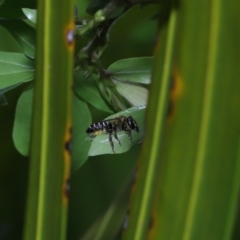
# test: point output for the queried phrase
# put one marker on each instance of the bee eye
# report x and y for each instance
(130, 122)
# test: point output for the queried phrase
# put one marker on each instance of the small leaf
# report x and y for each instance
(22, 122)
(31, 14)
(24, 34)
(136, 95)
(81, 120)
(137, 70)
(86, 88)
(100, 144)
(15, 68)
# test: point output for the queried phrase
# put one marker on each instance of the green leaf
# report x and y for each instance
(15, 68)
(136, 95)
(24, 34)
(81, 120)
(137, 70)
(31, 14)
(141, 222)
(188, 179)
(100, 144)
(86, 88)
(48, 190)
(22, 122)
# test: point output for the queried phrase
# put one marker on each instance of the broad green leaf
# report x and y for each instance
(110, 93)
(31, 14)
(81, 120)
(50, 156)
(86, 88)
(136, 70)
(140, 221)
(24, 34)
(100, 144)
(188, 179)
(136, 95)
(15, 68)
(22, 122)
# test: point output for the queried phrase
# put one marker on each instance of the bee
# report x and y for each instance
(111, 127)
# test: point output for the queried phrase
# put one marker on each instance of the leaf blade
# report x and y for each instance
(134, 94)
(31, 14)
(22, 122)
(15, 68)
(86, 88)
(24, 34)
(135, 70)
(80, 147)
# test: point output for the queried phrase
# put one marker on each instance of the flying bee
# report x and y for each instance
(112, 126)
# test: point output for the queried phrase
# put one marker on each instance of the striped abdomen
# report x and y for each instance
(99, 128)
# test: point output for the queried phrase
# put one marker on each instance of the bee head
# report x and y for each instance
(132, 124)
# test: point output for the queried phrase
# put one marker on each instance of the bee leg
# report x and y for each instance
(129, 133)
(116, 137)
(111, 142)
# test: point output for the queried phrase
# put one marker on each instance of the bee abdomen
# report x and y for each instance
(97, 128)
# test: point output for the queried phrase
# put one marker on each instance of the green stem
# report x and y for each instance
(156, 119)
(50, 161)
